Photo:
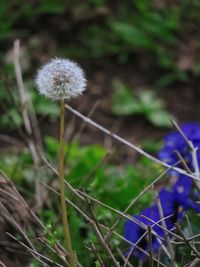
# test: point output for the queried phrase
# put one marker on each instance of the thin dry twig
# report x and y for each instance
(21, 199)
(83, 125)
(103, 226)
(183, 162)
(22, 91)
(159, 254)
(145, 233)
(124, 259)
(163, 222)
(133, 247)
(122, 214)
(195, 263)
(41, 258)
(95, 252)
(150, 245)
(188, 243)
(10, 218)
(98, 233)
(135, 200)
(125, 142)
(82, 196)
(194, 155)
(169, 232)
(54, 170)
(183, 135)
(11, 140)
(190, 229)
(24, 101)
(2, 264)
(45, 242)
(30, 123)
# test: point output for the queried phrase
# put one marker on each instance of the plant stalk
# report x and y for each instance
(72, 258)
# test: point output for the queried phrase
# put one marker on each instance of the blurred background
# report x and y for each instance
(142, 62)
(141, 58)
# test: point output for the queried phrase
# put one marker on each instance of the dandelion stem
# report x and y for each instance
(72, 258)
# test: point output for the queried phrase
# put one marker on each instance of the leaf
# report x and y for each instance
(50, 109)
(131, 34)
(43, 106)
(123, 100)
(52, 146)
(146, 104)
(160, 118)
(11, 119)
(149, 101)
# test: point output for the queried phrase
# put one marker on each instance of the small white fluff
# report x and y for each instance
(60, 79)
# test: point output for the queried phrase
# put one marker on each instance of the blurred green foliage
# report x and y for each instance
(99, 28)
(11, 117)
(114, 186)
(146, 103)
(86, 168)
(13, 12)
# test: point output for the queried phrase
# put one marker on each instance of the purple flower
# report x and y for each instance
(174, 203)
(175, 142)
(133, 232)
(184, 195)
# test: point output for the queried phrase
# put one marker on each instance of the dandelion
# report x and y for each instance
(62, 79)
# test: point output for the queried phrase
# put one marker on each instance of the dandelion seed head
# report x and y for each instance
(60, 79)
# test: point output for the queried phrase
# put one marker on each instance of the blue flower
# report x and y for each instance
(133, 232)
(182, 189)
(184, 195)
(174, 203)
(175, 142)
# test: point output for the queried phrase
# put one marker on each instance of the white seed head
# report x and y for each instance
(60, 79)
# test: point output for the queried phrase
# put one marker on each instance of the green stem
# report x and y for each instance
(72, 258)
